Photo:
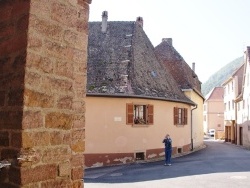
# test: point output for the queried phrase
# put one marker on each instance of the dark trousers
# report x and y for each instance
(168, 153)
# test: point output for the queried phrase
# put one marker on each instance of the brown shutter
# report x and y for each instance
(130, 114)
(182, 116)
(185, 116)
(150, 112)
(175, 115)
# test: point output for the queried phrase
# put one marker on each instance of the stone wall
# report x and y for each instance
(43, 58)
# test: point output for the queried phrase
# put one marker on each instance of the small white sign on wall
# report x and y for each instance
(117, 118)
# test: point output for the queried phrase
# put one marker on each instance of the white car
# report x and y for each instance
(211, 132)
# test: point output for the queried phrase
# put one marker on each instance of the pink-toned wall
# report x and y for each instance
(108, 136)
(215, 115)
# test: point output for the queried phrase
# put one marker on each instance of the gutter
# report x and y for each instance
(192, 141)
(141, 97)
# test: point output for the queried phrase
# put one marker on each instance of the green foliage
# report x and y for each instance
(221, 75)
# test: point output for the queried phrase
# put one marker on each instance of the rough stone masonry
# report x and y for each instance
(43, 58)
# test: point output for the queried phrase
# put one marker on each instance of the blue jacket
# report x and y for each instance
(168, 143)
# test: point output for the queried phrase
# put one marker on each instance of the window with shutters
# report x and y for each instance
(140, 114)
(180, 116)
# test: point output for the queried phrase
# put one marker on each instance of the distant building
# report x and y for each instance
(240, 129)
(213, 113)
(232, 89)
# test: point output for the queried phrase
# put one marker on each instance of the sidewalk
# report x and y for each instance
(94, 173)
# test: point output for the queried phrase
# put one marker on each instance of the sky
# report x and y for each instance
(210, 33)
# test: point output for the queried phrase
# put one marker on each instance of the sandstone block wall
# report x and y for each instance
(43, 58)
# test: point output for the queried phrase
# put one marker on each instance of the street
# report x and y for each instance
(218, 165)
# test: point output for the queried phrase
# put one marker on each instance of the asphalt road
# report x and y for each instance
(218, 165)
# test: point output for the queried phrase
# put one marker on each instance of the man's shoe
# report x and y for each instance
(169, 164)
(165, 164)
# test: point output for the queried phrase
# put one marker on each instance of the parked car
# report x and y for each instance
(211, 132)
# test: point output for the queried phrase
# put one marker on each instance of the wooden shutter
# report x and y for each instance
(176, 115)
(150, 114)
(185, 116)
(182, 116)
(130, 114)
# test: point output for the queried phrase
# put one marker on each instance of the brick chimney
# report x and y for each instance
(139, 21)
(168, 40)
(104, 21)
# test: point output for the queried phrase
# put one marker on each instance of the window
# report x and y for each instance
(232, 104)
(180, 116)
(140, 156)
(140, 114)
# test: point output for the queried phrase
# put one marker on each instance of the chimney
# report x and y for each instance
(104, 21)
(139, 21)
(193, 67)
(168, 40)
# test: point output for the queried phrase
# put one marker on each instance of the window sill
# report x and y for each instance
(179, 125)
(140, 125)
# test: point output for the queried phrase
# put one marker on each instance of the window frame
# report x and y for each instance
(130, 114)
(180, 116)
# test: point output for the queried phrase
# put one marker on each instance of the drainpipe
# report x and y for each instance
(192, 142)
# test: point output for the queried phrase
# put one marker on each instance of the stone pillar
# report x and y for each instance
(43, 55)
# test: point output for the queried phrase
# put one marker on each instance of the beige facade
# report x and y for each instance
(242, 124)
(197, 120)
(232, 91)
(109, 140)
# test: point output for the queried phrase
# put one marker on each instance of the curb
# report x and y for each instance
(153, 160)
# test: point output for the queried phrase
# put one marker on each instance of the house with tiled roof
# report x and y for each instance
(132, 100)
(187, 81)
(213, 114)
(238, 131)
(232, 90)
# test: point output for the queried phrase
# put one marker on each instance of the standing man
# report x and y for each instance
(168, 149)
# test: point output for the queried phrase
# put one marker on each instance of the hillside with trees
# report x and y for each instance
(221, 75)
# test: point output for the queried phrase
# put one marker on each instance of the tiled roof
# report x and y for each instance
(239, 73)
(248, 52)
(216, 94)
(180, 70)
(122, 62)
